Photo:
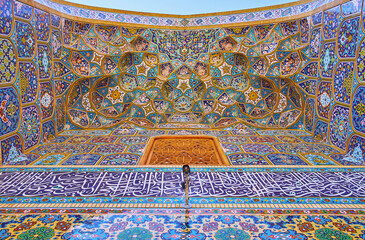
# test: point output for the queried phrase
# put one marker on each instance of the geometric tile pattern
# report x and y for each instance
(230, 74)
(103, 73)
(282, 91)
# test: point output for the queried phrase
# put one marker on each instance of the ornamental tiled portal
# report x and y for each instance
(99, 110)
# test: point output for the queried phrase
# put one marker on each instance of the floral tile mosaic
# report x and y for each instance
(318, 159)
(286, 159)
(240, 150)
(80, 101)
(83, 85)
(180, 226)
(53, 159)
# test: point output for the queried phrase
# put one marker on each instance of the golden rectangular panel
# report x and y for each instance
(180, 150)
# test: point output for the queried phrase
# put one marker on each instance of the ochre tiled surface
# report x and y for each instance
(181, 150)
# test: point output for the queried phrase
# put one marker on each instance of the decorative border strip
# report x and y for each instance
(287, 11)
(179, 200)
(178, 206)
(175, 168)
(193, 211)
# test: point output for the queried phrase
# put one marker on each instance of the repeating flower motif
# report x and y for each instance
(228, 219)
(187, 234)
(135, 234)
(231, 233)
(249, 227)
(159, 227)
(290, 234)
(328, 233)
(50, 219)
(78, 234)
(339, 124)
(41, 233)
(139, 219)
(208, 227)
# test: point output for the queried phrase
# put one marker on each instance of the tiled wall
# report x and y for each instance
(27, 93)
(59, 74)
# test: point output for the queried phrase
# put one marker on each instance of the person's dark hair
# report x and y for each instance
(186, 169)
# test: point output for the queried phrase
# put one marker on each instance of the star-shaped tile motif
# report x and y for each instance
(225, 69)
(97, 58)
(148, 109)
(115, 95)
(219, 109)
(253, 95)
(142, 69)
(183, 85)
(271, 58)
